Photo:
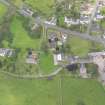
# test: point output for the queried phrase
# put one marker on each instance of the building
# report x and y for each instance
(57, 58)
(52, 21)
(94, 54)
(6, 52)
(26, 11)
(32, 58)
(70, 21)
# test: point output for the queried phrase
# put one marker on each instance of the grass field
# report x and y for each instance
(90, 92)
(79, 47)
(21, 38)
(47, 63)
(47, 92)
(3, 10)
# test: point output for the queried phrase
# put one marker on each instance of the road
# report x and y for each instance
(57, 71)
(92, 16)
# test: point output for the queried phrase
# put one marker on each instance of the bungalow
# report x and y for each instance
(25, 11)
(57, 58)
(6, 52)
(52, 21)
(32, 58)
(70, 21)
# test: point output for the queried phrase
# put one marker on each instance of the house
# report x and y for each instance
(6, 52)
(70, 21)
(26, 11)
(57, 58)
(52, 21)
(32, 57)
(84, 19)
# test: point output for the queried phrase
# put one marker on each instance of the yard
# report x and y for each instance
(47, 92)
(47, 63)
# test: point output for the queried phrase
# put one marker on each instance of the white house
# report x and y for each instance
(57, 58)
(52, 21)
(70, 21)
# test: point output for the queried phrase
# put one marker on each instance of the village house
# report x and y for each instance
(6, 52)
(52, 21)
(32, 57)
(70, 21)
(26, 11)
(57, 58)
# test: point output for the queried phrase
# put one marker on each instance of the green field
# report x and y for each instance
(79, 47)
(47, 92)
(3, 10)
(21, 39)
(47, 63)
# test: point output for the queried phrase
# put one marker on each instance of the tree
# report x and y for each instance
(44, 47)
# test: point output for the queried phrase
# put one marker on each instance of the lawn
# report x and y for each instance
(27, 92)
(47, 63)
(47, 92)
(79, 47)
(21, 39)
(89, 92)
(3, 10)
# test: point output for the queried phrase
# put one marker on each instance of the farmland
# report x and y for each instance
(26, 92)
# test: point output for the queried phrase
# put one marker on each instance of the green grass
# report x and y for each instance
(79, 47)
(88, 91)
(27, 92)
(3, 10)
(47, 63)
(44, 92)
(21, 39)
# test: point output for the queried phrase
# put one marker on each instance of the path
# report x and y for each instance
(33, 76)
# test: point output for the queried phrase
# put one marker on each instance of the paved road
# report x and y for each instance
(92, 16)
